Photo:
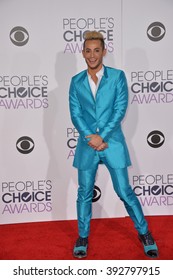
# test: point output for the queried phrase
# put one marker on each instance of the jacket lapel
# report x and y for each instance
(102, 82)
(104, 78)
(87, 86)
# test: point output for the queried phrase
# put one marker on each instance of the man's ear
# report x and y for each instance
(104, 52)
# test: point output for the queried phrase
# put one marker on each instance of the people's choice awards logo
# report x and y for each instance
(152, 86)
(155, 139)
(72, 138)
(21, 197)
(74, 30)
(156, 31)
(19, 36)
(25, 145)
(24, 92)
(154, 189)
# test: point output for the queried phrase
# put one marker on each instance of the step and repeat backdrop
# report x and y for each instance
(41, 45)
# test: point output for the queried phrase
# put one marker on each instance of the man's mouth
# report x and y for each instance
(92, 61)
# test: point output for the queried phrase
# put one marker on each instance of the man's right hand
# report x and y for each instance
(102, 147)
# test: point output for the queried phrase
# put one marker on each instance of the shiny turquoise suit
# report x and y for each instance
(102, 115)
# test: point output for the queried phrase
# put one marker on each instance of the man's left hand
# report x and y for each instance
(95, 140)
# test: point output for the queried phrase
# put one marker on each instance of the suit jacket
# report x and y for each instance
(102, 115)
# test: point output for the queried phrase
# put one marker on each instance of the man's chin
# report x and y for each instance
(93, 67)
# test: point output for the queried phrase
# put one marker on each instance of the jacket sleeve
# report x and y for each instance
(76, 113)
(119, 108)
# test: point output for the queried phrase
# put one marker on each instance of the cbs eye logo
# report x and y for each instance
(156, 31)
(25, 145)
(96, 194)
(155, 139)
(19, 36)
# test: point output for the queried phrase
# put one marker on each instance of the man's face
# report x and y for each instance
(93, 54)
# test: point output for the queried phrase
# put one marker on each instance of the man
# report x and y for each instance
(98, 101)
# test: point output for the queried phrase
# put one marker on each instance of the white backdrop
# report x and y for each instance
(147, 52)
(41, 44)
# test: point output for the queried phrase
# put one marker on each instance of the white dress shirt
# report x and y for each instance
(94, 86)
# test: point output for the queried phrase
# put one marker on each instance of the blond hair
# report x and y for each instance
(94, 35)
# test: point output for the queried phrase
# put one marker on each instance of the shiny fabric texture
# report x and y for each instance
(102, 115)
(86, 179)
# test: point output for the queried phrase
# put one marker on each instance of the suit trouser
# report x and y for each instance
(120, 180)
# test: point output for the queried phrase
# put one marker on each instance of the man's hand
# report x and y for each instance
(102, 147)
(95, 140)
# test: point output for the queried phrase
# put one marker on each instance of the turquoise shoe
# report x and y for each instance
(150, 247)
(80, 248)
